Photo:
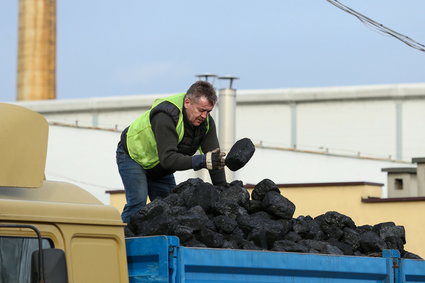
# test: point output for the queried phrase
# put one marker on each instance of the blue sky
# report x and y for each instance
(114, 48)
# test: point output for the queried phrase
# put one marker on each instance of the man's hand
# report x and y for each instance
(215, 159)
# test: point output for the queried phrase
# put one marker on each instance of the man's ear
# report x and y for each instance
(186, 102)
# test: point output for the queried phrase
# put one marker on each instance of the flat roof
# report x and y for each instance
(400, 170)
(418, 160)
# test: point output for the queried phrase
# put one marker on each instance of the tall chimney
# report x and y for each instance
(36, 79)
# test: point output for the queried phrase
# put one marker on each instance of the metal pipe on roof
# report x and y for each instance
(227, 120)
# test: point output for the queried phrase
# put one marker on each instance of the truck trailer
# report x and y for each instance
(58, 232)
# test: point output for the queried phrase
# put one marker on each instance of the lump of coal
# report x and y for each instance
(410, 255)
(153, 219)
(289, 246)
(240, 153)
(351, 237)
(278, 205)
(255, 206)
(254, 221)
(345, 248)
(210, 238)
(225, 224)
(185, 233)
(228, 208)
(370, 242)
(262, 188)
(194, 218)
(271, 231)
(236, 193)
(190, 183)
(394, 236)
(204, 195)
(333, 223)
(307, 228)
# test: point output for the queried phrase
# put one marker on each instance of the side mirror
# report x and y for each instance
(53, 266)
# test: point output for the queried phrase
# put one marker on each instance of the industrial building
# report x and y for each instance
(311, 141)
(334, 134)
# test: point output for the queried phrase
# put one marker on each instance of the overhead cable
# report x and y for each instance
(379, 27)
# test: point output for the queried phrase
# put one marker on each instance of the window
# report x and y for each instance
(15, 258)
(398, 184)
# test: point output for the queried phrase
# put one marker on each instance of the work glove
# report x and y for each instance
(214, 159)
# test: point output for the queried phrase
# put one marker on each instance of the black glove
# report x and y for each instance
(214, 159)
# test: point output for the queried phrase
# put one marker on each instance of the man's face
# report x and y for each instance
(197, 111)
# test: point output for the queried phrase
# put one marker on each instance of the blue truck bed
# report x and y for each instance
(162, 259)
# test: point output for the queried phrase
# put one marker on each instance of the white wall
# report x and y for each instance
(413, 128)
(359, 126)
(87, 158)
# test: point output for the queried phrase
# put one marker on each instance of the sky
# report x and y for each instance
(130, 47)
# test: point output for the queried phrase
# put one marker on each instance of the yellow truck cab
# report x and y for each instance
(82, 239)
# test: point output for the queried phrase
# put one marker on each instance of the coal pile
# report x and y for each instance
(203, 215)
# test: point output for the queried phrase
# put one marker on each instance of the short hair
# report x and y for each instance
(200, 89)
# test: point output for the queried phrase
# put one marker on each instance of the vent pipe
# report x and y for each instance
(227, 120)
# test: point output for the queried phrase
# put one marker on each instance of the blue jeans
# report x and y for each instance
(138, 185)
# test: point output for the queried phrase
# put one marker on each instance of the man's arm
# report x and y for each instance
(166, 137)
(210, 142)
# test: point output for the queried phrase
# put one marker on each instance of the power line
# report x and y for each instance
(379, 27)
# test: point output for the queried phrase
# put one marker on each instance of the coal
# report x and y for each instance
(307, 228)
(236, 193)
(225, 224)
(194, 218)
(263, 187)
(185, 233)
(240, 153)
(393, 235)
(333, 223)
(351, 237)
(278, 205)
(370, 242)
(211, 238)
(289, 246)
(154, 219)
(314, 246)
(204, 195)
(204, 215)
(345, 248)
(333, 250)
(292, 236)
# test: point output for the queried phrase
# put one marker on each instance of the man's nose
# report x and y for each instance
(204, 115)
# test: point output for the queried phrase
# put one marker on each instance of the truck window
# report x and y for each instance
(15, 258)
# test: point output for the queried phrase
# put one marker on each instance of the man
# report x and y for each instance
(164, 140)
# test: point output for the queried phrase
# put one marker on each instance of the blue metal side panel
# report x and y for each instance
(162, 259)
(148, 258)
(412, 270)
(221, 265)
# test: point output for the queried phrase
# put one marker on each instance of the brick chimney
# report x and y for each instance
(36, 78)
